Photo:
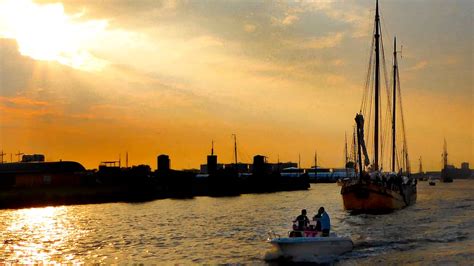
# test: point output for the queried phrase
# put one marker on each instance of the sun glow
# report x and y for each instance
(46, 32)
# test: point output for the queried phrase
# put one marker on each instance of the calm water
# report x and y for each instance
(438, 229)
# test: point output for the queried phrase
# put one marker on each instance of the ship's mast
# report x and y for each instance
(235, 148)
(360, 142)
(395, 69)
(421, 167)
(377, 89)
(407, 162)
(354, 148)
(345, 150)
(315, 159)
(445, 154)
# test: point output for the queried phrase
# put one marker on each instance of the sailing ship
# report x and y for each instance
(446, 177)
(421, 175)
(374, 190)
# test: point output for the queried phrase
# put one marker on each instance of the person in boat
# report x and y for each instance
(317, 218)
(325, 222)
(302, 221)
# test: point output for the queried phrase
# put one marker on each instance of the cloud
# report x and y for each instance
(19, 108)
(122, 13)
(207, 41)
(143, 29)
(338, 62)
(335, 80)
(329, 41)
(249, 28)
(358, 17)
(22, 101)
(184, 72)
(46, 32)
(56, 88)
(290, 19)
(287, 20)
(419, 66)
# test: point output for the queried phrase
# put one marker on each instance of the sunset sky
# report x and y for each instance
(89, 80)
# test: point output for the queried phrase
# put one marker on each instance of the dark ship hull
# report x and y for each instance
(373, 197)
(445, 177)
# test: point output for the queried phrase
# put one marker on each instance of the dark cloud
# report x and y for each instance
(15, 70)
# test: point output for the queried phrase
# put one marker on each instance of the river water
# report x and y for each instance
(438, 229)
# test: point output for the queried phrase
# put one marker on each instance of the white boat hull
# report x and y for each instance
(314, 246)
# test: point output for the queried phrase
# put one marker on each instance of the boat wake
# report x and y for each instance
(279, 258)
(408, 241)
(364, 249)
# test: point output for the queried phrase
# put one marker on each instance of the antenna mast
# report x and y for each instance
(212, 147)
(19, 154)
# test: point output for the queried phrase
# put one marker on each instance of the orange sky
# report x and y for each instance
(89, 80)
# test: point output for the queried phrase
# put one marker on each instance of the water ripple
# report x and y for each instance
(233, 230)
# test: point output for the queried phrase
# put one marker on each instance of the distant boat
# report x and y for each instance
(320, 175)
(292, 172)
(432, 182)
(421, 175)
(348, 172)
(374, 190)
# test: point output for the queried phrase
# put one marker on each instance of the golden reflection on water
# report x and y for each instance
(36, 235)
(436, 230)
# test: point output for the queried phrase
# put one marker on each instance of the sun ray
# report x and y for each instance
(46, 32)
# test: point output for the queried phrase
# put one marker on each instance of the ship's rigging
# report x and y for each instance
(377, 138)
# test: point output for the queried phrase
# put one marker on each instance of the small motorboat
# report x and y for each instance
(311, 246)
(431, 182)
